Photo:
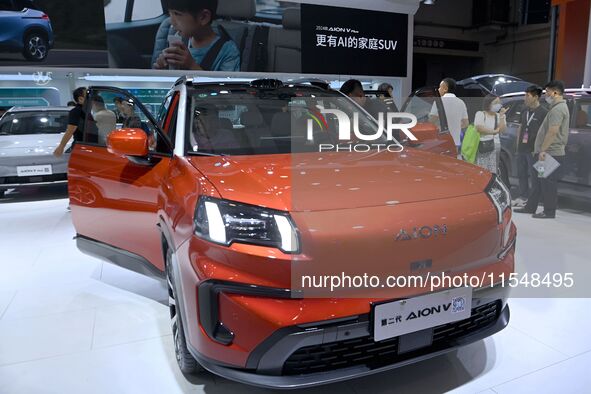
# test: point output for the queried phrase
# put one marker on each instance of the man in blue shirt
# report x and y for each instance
(206, 50)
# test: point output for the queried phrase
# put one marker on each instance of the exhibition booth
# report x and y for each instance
(251, 196)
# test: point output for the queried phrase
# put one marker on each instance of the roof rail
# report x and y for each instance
(267, 83)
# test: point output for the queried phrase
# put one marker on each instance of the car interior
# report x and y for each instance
(258, 127)
(34, 123)
(264, 46)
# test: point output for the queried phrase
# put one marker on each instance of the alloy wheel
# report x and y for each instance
(37, 48)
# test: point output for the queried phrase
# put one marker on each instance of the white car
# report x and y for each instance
(28, 137)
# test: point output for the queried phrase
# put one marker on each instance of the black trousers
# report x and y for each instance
(545, 190)
(525, 172)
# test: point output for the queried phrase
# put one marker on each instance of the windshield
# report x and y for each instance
(252, 121)
(21, 123)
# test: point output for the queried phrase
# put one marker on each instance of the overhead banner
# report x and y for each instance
(265, 36)
(339, 40)
(273, 37)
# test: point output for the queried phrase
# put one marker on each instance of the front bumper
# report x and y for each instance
(259, 335)
(302, 381)
(9, 175)
(344, 349)
(33, 181)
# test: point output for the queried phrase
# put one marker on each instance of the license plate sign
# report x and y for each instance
(392, 319)
(34, 170)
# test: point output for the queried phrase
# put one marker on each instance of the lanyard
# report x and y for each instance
(529, 118)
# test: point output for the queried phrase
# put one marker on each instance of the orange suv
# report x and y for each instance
(226, 197)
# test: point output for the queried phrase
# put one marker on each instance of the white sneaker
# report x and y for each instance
(519, 202)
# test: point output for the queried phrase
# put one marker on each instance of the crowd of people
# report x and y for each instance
(100, 119)
(543, 132)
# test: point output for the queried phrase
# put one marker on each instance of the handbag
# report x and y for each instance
(470, 144)
(488, 145)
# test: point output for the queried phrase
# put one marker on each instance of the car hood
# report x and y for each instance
(328, 181)
(28, 145)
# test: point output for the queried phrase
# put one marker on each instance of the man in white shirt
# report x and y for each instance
(105, 119)
(455, 110)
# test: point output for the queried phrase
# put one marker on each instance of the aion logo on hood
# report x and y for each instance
(382, 139)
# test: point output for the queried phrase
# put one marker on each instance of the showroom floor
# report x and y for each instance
(72, 324)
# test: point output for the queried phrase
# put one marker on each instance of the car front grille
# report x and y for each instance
(23, 180)
(364, 351)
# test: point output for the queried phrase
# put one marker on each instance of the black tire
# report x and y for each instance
(35, 47)
(2, 194)
(184, 358)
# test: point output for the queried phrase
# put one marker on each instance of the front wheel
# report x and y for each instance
(184, 358)
(35, 47)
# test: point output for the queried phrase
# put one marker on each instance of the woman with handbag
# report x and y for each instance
(489, 123)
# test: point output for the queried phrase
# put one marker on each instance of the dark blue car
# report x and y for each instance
(24, 29)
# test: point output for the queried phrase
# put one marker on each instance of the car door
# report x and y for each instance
(114, 200)
(577, 166)
(433, 136)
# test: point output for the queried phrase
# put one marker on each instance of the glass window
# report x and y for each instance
(115, 11)
(142, 10)
(514, 112)
(583, 115)
(113, 110)
(146, 9)
(22, 123)
(163, 111)
(248, 121)
(421, 108)
(427, 107)
(167, 116)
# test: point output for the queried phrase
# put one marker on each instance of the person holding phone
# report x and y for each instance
(490, 122)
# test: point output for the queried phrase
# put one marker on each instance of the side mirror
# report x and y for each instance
(424, 132)
(128, 142)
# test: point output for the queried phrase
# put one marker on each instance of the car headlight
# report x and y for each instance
(225, 222)
(500, 196)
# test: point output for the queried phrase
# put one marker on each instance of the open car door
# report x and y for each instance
(114, 197)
